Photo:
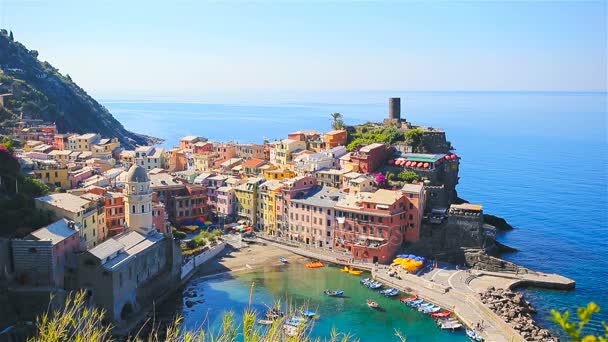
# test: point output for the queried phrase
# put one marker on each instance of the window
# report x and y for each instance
(142, 209)
(411, 206)
(328, 223)
(133, 209)
(379, 219)
(411, 217)
(380, 231)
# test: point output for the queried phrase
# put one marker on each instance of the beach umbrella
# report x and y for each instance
(426, 165)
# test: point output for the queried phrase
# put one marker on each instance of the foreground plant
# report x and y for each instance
(575, 329)
(77, 321)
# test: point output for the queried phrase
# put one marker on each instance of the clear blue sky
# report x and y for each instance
(114, 48)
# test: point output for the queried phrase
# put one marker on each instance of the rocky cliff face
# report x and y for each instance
(39, 91)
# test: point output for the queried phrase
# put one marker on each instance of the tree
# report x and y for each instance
(413, 138)
(337, 122)
(408, 176)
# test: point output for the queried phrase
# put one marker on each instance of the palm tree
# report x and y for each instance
(337, 122)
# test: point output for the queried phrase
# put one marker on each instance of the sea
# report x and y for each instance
(537, 159)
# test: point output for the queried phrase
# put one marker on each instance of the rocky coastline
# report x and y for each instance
(517, 312)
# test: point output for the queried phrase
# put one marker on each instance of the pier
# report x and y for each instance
(454, 290)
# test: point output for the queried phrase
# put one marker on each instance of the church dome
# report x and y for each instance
(137, 174)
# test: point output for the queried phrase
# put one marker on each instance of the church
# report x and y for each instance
(117, 272)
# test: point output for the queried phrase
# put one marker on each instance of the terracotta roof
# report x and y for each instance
(254, 162)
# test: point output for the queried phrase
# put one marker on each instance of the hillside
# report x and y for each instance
(39, 91)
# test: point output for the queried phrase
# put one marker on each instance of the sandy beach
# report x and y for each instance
(246, 259)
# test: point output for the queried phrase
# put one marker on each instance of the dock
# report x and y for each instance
(454, 290)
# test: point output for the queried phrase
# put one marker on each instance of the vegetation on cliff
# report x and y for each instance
(40, 91)
(368, 134)
(17, 193)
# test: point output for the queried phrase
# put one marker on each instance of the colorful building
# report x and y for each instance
(335, 138)
(370, 158)
(225, 203)
(267, 206)
(252, 166)
(188, 141)
(372, 226)
(281, 154)
(246, 200)
(53, 174)
(312, 216)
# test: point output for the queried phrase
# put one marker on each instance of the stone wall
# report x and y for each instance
(33, 262)
(478, 259)
(190, 267)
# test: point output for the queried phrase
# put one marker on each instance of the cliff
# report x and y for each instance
(39, 91)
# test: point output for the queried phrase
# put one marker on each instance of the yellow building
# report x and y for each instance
(281, 153)
(90, 215)
(267, 205)
(247, 200)
(275, 173)
(55, 176)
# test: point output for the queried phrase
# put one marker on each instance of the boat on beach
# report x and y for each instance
(315, 264)
(474, 335)
(333, 293)
(283, 260)
(372, 304)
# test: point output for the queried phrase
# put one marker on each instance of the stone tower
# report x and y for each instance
(138, 200)
(394, 108)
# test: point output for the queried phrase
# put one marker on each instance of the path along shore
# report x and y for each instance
(453, 290)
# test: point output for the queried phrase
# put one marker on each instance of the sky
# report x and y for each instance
(122, 49)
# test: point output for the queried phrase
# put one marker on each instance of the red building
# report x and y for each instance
(373, 226)
(370, 158)
(202, 147)
(60, 141)
(335, 138)
(115, 210)
(159, 215)
(183, 202)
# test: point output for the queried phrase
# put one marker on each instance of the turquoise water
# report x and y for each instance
(537, 159)
(301, 286)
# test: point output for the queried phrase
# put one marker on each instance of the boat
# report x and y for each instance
(429, 309)
(264, 321)
(474, 335)
(290, 330)
(408, 299)
(450, 326)
(441, 314)
(355, 272)
(274, 313)
(315, 264)
(390, 292)
(375, 285)
(345, 269)
(372, 304)
(283, 260)
(365, 280)
(334, 293)
(308, 314)
(415, 302)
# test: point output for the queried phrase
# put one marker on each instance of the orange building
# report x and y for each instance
(178, 160)
(335, 138)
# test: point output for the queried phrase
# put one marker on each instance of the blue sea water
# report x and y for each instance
(537, 159)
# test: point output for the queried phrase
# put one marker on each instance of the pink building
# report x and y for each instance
(370, 158)
(312, 216)
(79, 175)
(225, 151)
(202, 147)
(225, 203)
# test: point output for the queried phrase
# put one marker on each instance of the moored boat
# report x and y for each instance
(390, 292)
(474, 335)
(307, 313)
(451, 325)
(441, 314)
(334, 293)
(375, 285)
(283, 260)
(408, 299)
(345, 269)
(355, 272)
(415, 302)
(264, 321)
(372, 304)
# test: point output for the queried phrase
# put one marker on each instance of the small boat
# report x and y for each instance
(372, 304)
(315, 264)
(345, 269)
(408, 299)
(264, 321)
(451, 326)
(308, 314)
(365, 280)
(375, 285)
(441, 314)
(283, 260)
(429, 309)
(290, 330)
(274, 313)
(334, 293)
(474, 335)
(355, 272)
(415, 303)
(390, 292)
